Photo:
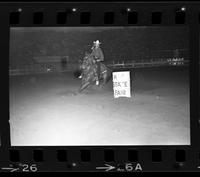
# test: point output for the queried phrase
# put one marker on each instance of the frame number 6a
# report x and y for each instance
(131, 167)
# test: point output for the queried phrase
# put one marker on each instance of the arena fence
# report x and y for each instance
(49, 68)
(46, 64)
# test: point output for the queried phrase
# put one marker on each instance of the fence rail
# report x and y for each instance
(148, 58)
(148, 64)
(50, 68)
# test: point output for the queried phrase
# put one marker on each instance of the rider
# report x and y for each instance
(98, 55)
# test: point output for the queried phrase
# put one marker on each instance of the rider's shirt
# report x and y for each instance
(97, 54)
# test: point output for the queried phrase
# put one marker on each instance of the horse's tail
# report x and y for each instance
(108, 72)
(109, 75)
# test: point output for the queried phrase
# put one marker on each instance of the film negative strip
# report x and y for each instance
(102, 87)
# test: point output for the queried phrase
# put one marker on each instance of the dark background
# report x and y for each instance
(118, 43)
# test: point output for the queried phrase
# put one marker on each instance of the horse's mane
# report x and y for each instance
(89, 58)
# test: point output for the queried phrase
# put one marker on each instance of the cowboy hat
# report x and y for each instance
(96, 42)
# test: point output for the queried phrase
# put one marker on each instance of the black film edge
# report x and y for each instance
(135, 110)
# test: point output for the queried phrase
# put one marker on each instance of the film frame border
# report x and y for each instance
(23, 157)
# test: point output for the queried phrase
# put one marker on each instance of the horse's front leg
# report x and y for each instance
(84, 82)
(84, 86)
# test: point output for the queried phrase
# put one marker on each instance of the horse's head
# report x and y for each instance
(83, 63)
(86, 62)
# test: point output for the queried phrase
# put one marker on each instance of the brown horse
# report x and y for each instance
(88, 67)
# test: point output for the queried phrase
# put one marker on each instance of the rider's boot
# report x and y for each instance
(97, 82)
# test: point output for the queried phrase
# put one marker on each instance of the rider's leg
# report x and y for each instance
(98, 73)
(99, 69)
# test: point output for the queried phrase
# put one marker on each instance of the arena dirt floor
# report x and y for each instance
(45, 111)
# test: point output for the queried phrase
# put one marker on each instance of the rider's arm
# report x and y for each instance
(101, 55)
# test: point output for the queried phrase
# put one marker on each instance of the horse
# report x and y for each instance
(88, 66)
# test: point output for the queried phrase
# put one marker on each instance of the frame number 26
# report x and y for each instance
(29, 168)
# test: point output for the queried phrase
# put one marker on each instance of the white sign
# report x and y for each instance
(121, 84)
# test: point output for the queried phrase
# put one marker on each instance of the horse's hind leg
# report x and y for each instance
(107, 77)
(103, 80)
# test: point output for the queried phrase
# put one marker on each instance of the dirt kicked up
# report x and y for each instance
(44, 111)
